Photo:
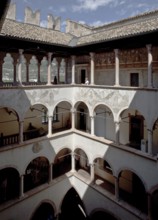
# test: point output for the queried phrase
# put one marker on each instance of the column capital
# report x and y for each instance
(92, 54)
(73, 57)
(149, 46)
(21, 51)
(116, 51)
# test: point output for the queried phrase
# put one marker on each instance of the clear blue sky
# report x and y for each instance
(91, 12)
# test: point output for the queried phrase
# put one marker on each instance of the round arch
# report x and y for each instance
(36, 173)
(104, 125)
(62, 162)
(45, 210)
(132, 190)
(9, 184)
(82, 117)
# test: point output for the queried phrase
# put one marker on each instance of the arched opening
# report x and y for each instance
(37, 173)
(8, 121)
(72, 207)
(82, 163)
(44, 212)
(35, 122)
(82, 120)
(33, 70)
(102, 215)
(9, 184)
(62, 163)
(7, 71)
(104, 175)
(133, 129)
(154, 205)
(132, 190)
(62, 117)
(104, 122)
(44, 70)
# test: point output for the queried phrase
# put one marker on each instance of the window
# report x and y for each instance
(134, 79)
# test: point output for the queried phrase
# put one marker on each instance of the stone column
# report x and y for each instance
(49, 68)
(117, 80)
(73, 118)
(117, 131)
(92, 67)
(73, 162)
(73, 69)
(92, 172)
(21, 186)
(20, 67)
(21, 128)
(116, 188)
(50, 173)
(150, 59)
(49, 126)
(92, 125)
(150, 141)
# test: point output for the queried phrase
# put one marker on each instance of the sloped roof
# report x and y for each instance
(144, 23)
(133, 26)
(26, 31)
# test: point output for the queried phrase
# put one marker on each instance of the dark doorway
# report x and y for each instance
(72, 207)
(136, 131)
(44, 212)
(134, 79)
(82, 119)
(83, 76)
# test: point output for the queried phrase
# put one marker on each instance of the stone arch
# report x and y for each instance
(45, 210)
(8, 75)
(35, 122)
(82, 117)
(9, 119)
(62, 116)
(82, 164)
(132, 189)
(62, 162)
(104, 122)
(36, 173)
(132, 128)
(9, 184)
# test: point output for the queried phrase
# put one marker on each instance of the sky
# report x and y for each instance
(90, 12)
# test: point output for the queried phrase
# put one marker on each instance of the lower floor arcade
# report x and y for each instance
(127, 188)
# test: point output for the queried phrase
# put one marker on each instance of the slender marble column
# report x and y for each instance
(72, 118)
(49, 125)
(92, 67)
(73, 69)
(73, 162)
(20, 67)
(150, 59)
(49, 68)
(92, 125)
(117, 132)
(117, 80)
